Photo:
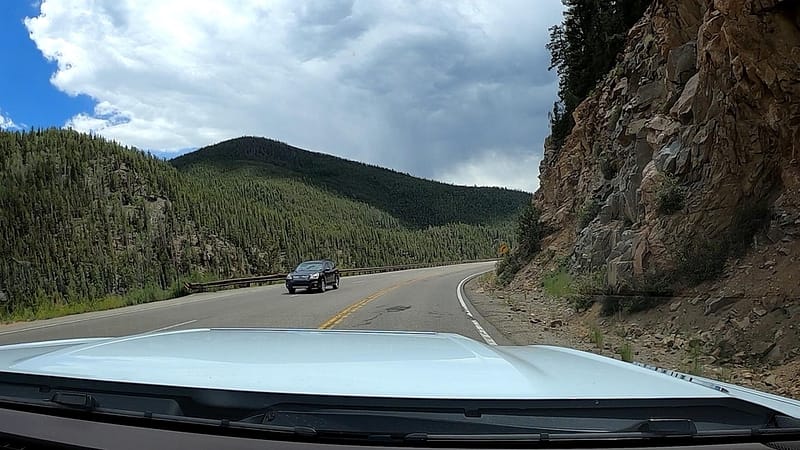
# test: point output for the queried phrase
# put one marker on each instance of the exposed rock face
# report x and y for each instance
(707, 97)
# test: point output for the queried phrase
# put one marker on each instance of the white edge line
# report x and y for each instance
(170, 327)
(486, 337)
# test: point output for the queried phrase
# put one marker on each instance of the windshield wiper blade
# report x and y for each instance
(664, 427)
(678, 429)
(64, 401)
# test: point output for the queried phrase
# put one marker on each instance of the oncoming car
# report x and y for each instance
(313, 275)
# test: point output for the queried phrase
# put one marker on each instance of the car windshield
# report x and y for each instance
(309, 266)
(389, 222)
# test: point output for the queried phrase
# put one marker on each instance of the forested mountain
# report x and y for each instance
(83, 217)
(416, 202)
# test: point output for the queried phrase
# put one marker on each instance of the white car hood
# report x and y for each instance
(361, 363)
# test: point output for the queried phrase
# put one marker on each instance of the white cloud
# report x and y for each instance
(6, 123)
(515, 168)
(409, 85)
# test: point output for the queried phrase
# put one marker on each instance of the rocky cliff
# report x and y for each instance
(680, 183)
(693, 138)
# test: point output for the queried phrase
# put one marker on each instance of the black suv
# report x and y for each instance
(313, 275)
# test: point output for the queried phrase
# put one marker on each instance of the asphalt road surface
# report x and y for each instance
(414, 300)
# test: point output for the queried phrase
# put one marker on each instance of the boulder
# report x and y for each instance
(681, 63)
(648, 93)
(683, 106)
(761, 348)
(775, 355)
(716, 304)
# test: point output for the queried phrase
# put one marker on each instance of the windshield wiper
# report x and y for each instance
(646, 429)
(782, 427)
(141, 410)
(320, 417)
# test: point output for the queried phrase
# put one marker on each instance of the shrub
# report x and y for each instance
(587, 288)
(626, 353)
(643, 293)
(695, 367)
(700, 259)
(671, 197)
(580, 290)
(747, 222)
(589, 211)
(507, 268)
(596, 337)
(530, 230)
(608, 167)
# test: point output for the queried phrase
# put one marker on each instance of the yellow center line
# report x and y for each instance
(343, 314)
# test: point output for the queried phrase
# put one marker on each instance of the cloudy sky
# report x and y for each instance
(453, 90)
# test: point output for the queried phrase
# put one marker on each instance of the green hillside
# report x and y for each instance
(417, 202)
(83, 218)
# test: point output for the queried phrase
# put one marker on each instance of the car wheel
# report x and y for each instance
(336, 282)
(291, 290)
(322, 284)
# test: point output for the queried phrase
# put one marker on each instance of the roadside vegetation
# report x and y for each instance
(88, 224)
(697, 260)
(700, 259)
(529, 233)
(44, 308)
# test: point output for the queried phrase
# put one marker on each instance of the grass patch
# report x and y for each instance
(596, 337)
(695, 367)
(558, 284)
(626, 353)
(489, 278)
(580, 290)
(47, 308)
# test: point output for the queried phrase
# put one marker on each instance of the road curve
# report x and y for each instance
(413, 300)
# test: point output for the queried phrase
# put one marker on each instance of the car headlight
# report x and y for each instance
(289, 277)
(314, 276)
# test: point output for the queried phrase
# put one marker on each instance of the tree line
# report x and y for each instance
(418, 203)
(583, 49)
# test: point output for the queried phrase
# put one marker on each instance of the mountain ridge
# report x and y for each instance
(387, 189)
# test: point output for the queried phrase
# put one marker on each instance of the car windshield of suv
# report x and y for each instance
(309, 266)
(461, 223)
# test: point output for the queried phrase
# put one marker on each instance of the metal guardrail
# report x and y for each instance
(267, 279)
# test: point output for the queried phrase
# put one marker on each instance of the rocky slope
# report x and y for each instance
(684, 164)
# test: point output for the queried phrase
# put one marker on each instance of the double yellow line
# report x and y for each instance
(345, 313)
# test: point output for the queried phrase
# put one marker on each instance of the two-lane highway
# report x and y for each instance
(413, 300)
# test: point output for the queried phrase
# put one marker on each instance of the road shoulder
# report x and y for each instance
(531, 317)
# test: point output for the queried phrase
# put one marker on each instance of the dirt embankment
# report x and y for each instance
(741, 329)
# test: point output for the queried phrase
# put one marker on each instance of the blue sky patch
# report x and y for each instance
(26, 95)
